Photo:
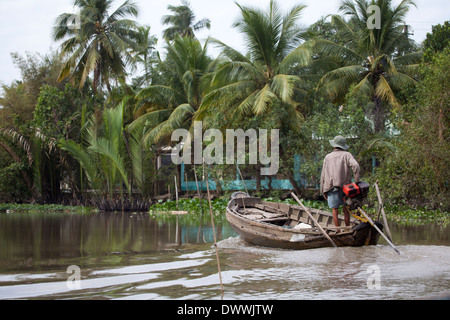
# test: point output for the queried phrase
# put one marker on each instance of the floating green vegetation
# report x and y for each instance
(406, 215)
(399, 214)
(191, 205)
(44, 207)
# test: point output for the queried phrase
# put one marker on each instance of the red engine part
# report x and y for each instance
(351, 190)
(359, 189)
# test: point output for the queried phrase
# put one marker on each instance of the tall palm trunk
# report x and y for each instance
(97, 71)
(378, 115)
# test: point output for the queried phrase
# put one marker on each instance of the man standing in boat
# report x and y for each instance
(336, 172)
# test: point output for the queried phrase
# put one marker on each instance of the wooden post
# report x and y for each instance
(198, 189)
(176, 195)
(386, 226)
(176, 190)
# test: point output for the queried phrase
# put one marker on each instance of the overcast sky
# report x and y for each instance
(25, 25)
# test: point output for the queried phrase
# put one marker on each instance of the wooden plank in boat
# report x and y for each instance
(265, 214)
(254, 216)
(279, 219)
(270, 209)
(265, 208)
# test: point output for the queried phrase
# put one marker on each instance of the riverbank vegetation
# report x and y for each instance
(397, 213)
(27, 207)
(90, 123)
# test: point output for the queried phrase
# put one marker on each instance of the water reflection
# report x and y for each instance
(142, 256)
(30, 239)
(430, 233)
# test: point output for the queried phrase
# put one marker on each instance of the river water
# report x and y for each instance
(143, 256)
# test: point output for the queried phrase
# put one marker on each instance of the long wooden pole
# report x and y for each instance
(214, 233)
(378, 229)
(386, 225)
(242, 178)
(313, 219)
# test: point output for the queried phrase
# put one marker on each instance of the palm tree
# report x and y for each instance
(259, 88)
(182, 21)
(255, 83)
(372, 60)
(172, 104)
(99, 44)
(146, 54)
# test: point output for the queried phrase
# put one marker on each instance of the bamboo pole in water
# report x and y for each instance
(176, 190)
(198, 189)
(214, 233)
(386, 226)
(176, 195)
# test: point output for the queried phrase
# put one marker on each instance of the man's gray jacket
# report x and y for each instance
(337, 170)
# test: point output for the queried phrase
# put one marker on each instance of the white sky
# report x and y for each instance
(26, 25)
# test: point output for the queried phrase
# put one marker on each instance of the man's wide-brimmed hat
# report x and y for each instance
(339, 142)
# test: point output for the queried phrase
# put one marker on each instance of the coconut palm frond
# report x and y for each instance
(300, 56)
(350, 73)
(384, 91)
(230, 52)
(150, 119)
(284, 85)
(365, 86)
(412, 58)
(332, 49)
(401, 80)
(263, 99)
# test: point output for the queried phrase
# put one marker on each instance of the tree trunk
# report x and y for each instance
(378, 115)
(96, 77)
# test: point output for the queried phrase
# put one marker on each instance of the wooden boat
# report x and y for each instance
(281, 225)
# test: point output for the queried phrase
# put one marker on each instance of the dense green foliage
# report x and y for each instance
(437, 40)
(416, 171)
(102, 136)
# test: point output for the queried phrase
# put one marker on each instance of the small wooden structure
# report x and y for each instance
(281, 225)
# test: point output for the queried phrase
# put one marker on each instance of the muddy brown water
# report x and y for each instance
(143, 256)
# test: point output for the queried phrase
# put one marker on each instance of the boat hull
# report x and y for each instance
(275, 236)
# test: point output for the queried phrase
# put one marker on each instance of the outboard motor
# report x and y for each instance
(355, 194)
